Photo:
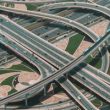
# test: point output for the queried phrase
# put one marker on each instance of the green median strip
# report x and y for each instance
(12, 91)
(3, 71)
(32, 68)
(32, 6)
(74, 43)
(9, 82)
(21, 67)
(96, 62)
(97, 102)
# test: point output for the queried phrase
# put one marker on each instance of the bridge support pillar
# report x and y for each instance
(107, 43)
(26, 100)
(5, 59)
(53, 87)
(45, 90)
(66, 75)
(5, 105)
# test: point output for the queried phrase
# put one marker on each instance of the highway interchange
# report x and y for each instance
(94, 38)
(62, 58)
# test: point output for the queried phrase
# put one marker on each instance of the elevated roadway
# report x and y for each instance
(79, 5)
(29, 2)
(92, 84)
(95, 37)
(43, 68)
(19, 50)
(38, 15)
(62, 71)
(26, 53)
(102, 2)
(12, 45)
(76, 94)
(52, 17)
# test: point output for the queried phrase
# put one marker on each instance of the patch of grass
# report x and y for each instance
(30, 66)
(108, 71)
(6, 71)
(74, 42)
(97, 102)
(8, 81)
(12, 91)
(32, 6)
(96, 62)
(21, 67)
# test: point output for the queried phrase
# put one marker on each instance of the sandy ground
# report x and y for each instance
(81, 48)
(56, 98)
(4, 91)
(20, 86)
(62, 44)
(5, 88)
(99, 29)
(27, 77)
(5, 76)
(9, 65)
(21, 6)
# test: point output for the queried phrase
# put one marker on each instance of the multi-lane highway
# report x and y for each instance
(53, 17)
(16, 47)
(94, 37)
(37, 15)
(20, 50)
(45, 69)
(105, 57)
(89, 51)
(29, 2)
(60, 72)
(80, 5)
(76, 94)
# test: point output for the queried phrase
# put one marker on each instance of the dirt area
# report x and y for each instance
(20, 86)
(81, 48)
(100, 28)
(9, 65)
(4, 91)
(56, 98)
(21, 6)
(27, 76)
(5, 76)
(62, 44)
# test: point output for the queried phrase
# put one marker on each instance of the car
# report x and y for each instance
(79, 97)
(83, 78)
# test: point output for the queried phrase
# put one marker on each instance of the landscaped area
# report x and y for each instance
(18, 69)
(74, 43)
(32, 6)
(96, 62)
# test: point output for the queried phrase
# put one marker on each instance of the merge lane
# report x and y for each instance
(76, 94)
(36, 50)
